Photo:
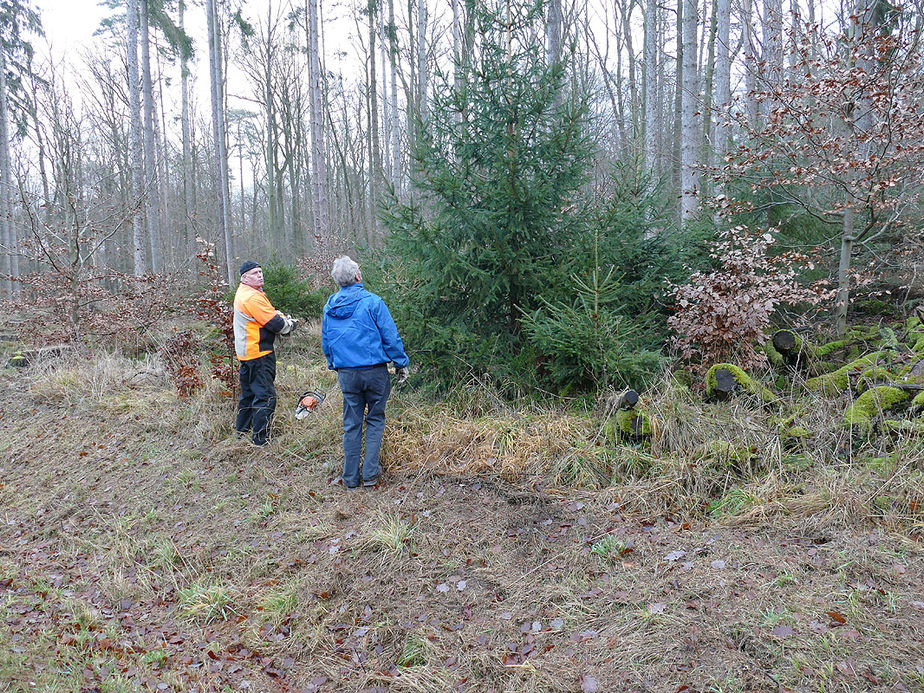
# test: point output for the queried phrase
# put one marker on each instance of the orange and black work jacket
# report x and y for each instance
(256, 323)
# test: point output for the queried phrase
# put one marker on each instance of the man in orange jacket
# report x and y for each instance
(256, 324)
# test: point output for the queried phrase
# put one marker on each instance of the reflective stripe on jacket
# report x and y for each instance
(256, 323)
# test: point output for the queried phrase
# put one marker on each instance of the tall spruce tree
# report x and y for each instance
(498, 173)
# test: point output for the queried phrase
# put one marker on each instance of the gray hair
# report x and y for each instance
(344, 271)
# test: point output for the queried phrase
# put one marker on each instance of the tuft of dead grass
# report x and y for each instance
(434, 437)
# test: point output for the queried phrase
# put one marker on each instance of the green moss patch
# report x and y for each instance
(745, 382)
(871, 404)
(839, 380)
(825, 349)
(874, 375)
(628, 424)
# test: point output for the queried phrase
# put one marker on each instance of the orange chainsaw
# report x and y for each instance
(308, 401)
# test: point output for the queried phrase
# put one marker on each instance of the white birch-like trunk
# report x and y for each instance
(218, 135)
(394, 136)
(422, 73)
(318, 153)
(751, 58)
(689, 133)
(650, 77)
(185, 135)
(722, 83)
(553, 31)
(137, 150)
(7, 232)
(151, 185)
(386, 103)
(772, 43)
(372, 107)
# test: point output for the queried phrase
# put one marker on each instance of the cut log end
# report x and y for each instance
(725, 382)
(627, 399)
(784, 341)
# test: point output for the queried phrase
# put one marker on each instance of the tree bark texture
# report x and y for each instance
(137, 157)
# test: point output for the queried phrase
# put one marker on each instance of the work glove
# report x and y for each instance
(289, 325)
(401, 374)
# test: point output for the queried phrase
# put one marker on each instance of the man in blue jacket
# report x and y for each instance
(359, 339)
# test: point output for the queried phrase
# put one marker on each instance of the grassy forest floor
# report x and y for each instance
(143, 547)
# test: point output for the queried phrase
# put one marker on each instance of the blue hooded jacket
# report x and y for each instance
(357, 331)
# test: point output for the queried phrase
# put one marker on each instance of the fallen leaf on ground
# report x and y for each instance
(782, 631)
(589, 684)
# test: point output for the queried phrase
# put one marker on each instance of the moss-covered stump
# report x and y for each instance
(725, 379)
(26, 357)
(839, 380)
(633, 423)
(630, 424)
(793, 350)
(773, 356)
(871, 404)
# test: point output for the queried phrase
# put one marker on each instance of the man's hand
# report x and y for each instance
(401, 374)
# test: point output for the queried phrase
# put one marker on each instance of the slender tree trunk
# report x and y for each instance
(386, 103)
(218, 135)
(843, 269)
(722, 74)
(648, 90)
(321, 230)
(690, 139)
(708, 139)
(137, 158)
(676, 164)
(394, 138)
(772, 39)
(553, 31)
(375, 156)
(751, 59)
(187, 171)
(633, 79)
(39, 140)
(422, 71)
(151, 184)
(7, 231)
(620, 100)
(169, 246)
(411, 87)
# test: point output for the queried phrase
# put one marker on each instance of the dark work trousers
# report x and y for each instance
(258, 397)
(365, 393)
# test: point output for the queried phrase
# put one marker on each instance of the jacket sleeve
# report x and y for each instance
(261, 310)
(325, 341)
(391, 340)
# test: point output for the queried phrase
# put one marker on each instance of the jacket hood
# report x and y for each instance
(343, 303)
